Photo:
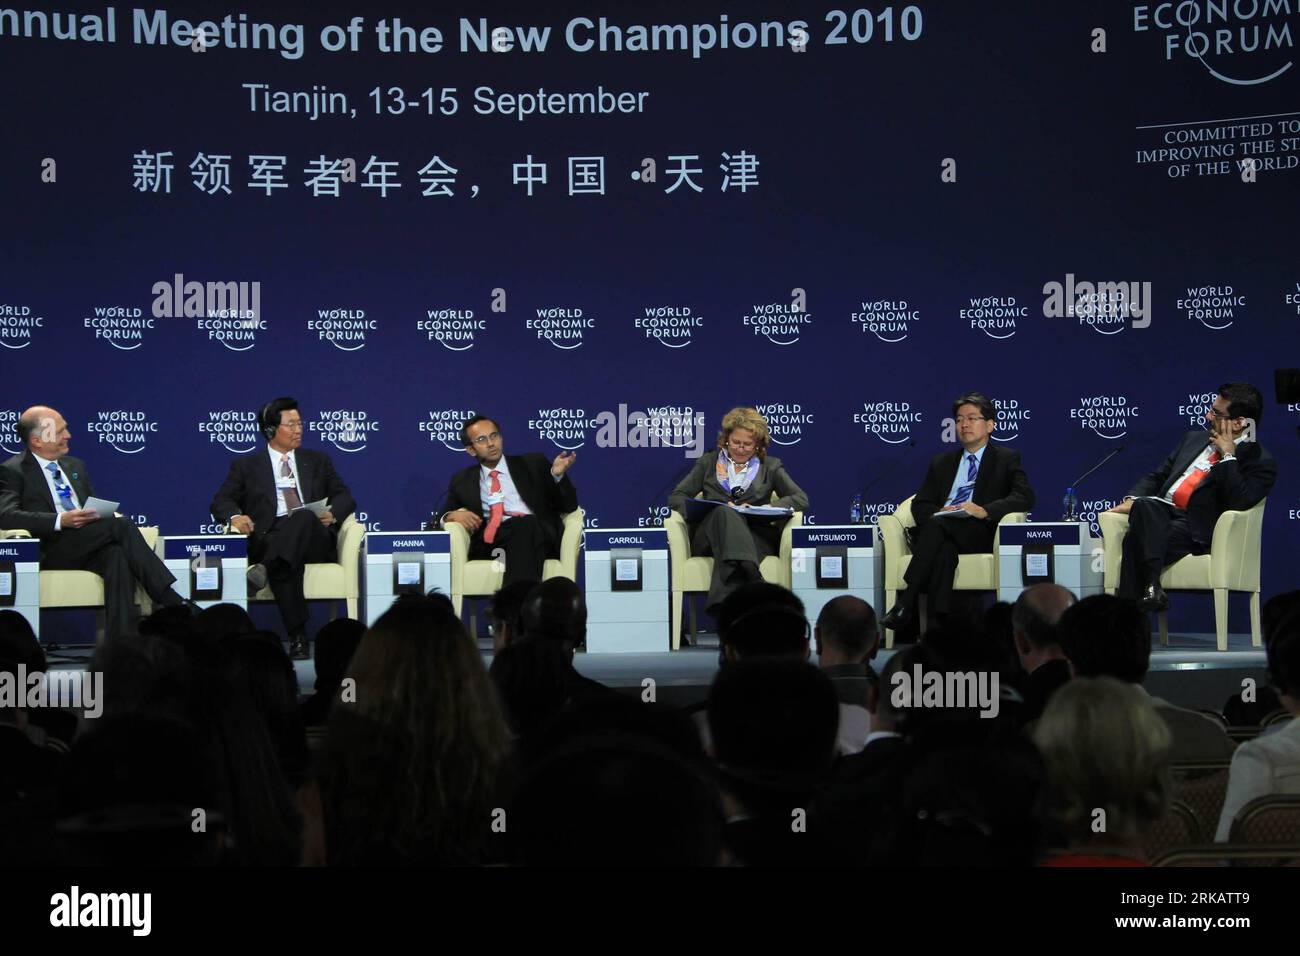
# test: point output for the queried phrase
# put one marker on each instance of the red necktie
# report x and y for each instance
(498, 510)
(1184, 492)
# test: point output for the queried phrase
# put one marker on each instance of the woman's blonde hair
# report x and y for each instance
(1105, 748)
(750, 420)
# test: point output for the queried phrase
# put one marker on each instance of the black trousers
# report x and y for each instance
(737, 545)
(115, 550)
(293, 542)
(523, 543)
(1157, 537)
(934, 558)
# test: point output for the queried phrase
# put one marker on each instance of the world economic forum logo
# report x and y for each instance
(1108, 416)
(453, 329)
(124, 430)
(781, 323)
(565, 428)
(994, 315)
(890, 421)
(670, 325)
(1239, 42)
(347, 429)
(443, 426)
(889, 320)
(234, 429)
(16, 325)
(786, 421)
(122, 327)
(1012, 415)
(9, 443)
(345, 329)
(564, 327)
(1215, 307)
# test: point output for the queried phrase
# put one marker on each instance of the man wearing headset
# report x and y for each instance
(266, 498)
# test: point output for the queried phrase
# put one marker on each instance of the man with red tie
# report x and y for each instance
(509, 504)
(1172, 511)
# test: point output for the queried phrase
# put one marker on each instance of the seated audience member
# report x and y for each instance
(504, 610)
(759, 619)
(846, 638)
(263, 672)
(773, 725)
(1277, 611)
(29, 760)
(1269, 764)
(1107, 756)
(221, 622)
(1034, 618)
(555, 612)
(649, 794)
(336, 642)
(1107, 636)
(18, 644)
(412, 766)
(532, 678)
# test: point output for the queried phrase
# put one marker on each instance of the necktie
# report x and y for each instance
(1183, 493)
(498, 509)
(965, 491)
(65, 493)
(292, 502)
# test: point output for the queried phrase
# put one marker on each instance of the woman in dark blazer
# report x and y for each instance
(741, 473)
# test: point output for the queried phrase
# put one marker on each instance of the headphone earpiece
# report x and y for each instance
(268, 429)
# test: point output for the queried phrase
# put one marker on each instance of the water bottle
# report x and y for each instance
(855, 510)
(1071, 505)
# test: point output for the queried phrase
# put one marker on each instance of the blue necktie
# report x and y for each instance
(61, 486)
(964, 492)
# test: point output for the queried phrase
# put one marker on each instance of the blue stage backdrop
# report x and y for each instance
(579, 217)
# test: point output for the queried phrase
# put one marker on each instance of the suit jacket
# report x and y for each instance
(1265, 766)
(771, 477)
(25, 499)
(1195, 737)
(249, 488)
(1001, 486)
(1040, 684)
(1230, 485)
(546, 498)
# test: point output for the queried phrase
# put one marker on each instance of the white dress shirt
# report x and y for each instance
(44, 464)
(1267, 765)
(509, 493)
(277, 457)
(1200, 463)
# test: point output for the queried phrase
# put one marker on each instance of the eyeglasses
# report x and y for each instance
(292, 426)
(962, 419)
(740, 445)
(484, 439)
(1216, 413)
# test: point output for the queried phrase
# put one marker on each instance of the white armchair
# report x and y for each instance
(483, 578)
(975, 572)
(1232, 565)
(692, 575)
(62, 589)
(334, 580)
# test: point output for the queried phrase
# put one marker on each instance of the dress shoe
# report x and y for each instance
(899, 616)
(257, 576)
(298, 649)
(1154, 598)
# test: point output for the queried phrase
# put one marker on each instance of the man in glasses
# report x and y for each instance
(267, 497)
(1172, 511)
(509, 504)
(964, 496)
(44, 490)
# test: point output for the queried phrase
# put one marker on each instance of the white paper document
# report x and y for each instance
(408, 572)
(106, 509)
(318, 508)
(6, 584)
(832, 566)
(1036, 565)
(207, 579)
(625, 569)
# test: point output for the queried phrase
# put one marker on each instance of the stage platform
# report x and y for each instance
(1190, 672)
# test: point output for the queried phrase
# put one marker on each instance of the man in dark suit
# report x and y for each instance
(511, 504)
(43, 490)
(265, 497)
(1172, 511)
(1034, 620)
(964, 496)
